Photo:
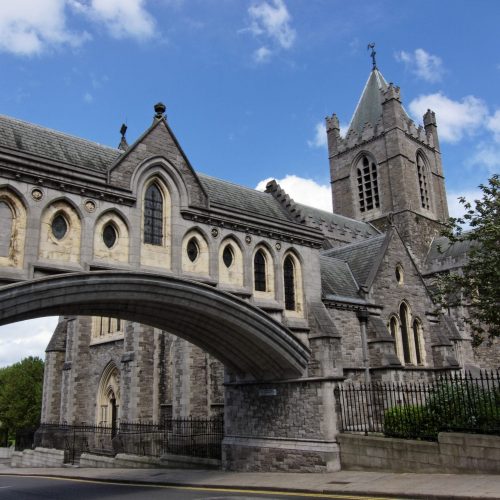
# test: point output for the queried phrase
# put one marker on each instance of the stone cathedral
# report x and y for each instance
(353, 285)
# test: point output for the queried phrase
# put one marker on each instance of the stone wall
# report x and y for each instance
(453, 453)
(284, 426)
(39, 457)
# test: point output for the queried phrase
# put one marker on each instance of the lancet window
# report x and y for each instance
(153, 215)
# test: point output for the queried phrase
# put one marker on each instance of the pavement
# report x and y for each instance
(373, 484)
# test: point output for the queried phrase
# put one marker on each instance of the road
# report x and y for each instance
(48, 488)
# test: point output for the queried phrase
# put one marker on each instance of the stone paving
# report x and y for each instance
(381, 484)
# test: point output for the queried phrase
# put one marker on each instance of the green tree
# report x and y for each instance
(477, 285)
(21, 387)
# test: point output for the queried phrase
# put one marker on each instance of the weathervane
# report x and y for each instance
(373, 54)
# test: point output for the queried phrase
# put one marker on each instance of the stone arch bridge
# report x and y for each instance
(243, 337)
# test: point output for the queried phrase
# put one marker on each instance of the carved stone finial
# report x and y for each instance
(332, 122)
(123, 143)
(160, 109)
(372, 54)
(429, 118)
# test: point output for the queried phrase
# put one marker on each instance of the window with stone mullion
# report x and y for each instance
(367, 185)
(153, 216)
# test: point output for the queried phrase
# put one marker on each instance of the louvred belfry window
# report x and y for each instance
(422, 183)
(367, 185)
(153, 216)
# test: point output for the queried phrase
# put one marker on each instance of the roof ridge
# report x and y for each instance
(201, 174)
(58, 132)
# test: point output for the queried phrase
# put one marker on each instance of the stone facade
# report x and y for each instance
(240, 302)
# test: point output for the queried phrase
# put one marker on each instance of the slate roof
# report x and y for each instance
(441, 250)
(336, 278)
(41, 142)
(243, 199)
(369, 107)
(360, 256)
(50, 144)
(321, 217)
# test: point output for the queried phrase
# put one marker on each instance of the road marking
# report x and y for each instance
(209, 488)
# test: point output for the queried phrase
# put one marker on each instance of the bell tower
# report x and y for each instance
(387, 170)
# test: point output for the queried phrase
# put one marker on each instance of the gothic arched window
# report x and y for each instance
(259, 271)
(417, 329)
(6, 223)
(367, 184)
(153, 215)
(405, 334)
(422, 183)
(289, 283)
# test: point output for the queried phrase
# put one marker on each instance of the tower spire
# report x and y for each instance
(372, 54)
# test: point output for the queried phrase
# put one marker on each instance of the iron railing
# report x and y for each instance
(24, 439)
(420, 410)
(4, 438)
(188, 436)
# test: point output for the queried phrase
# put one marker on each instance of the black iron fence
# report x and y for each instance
(452, 403)
(4, 438)
(24, 439)
(189, 436)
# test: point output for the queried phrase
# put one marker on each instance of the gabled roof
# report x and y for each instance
(369, 108)
(442, 249)
(25, 137)
(360, 256)
(243, 199)
(337, 279)
(321, 217)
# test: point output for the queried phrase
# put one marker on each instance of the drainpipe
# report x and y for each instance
(363, 320)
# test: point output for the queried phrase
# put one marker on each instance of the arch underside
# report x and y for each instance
(244, 338)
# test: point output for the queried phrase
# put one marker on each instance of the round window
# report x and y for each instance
(59, 227)
(228, 256)
(192, 249)
(109, 235)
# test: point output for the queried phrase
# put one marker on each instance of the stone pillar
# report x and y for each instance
(52, 384)
(282, 426)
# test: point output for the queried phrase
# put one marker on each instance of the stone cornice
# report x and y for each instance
(277, 230)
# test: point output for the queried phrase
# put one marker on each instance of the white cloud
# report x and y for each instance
(456, 208)
(426, 66)
(26, 338)
(88, 98)
(272, 21)
(493, 124)
(455, 119)
(262, 54)
(29, 27)
(122, 18)
(487, 156)
(320, 137)
(304, 191)
(319, 140)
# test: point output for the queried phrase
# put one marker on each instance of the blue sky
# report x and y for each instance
(247, 84)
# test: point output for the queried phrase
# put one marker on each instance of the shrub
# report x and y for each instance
(465, 406)
(409, 422)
